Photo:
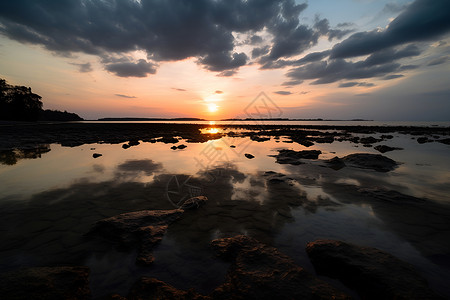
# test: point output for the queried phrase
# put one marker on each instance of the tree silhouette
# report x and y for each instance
(18, 103)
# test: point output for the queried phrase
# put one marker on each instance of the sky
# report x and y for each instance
(212, 59)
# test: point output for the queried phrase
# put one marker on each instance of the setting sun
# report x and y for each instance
(212, 107)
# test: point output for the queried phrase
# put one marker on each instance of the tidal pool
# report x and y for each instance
(49, 201)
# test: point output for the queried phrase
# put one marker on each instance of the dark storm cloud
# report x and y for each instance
(311, 57)
(323, 27)
(257, 52)
(420, 21)
(378, 64)
(284, 93)
(166, 30)
(339, 69)
(125, 96)
(130, 69)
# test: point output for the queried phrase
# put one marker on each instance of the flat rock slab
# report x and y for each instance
(141, 230)
(259, 271)
(375, 162)
(373, 273)
(46, 283)
(292, 157)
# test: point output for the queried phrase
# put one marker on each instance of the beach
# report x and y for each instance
(290, 191)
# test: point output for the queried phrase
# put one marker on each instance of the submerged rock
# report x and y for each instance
(46, 283)
(335, 163)
(384, 148)
(423, 140)
(141, 230)
(375, 162)
(259, 271)
(152, 288)
(373, 273)
(95, 155)
(293, 157)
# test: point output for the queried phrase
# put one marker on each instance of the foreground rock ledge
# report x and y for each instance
(141, 230)
(259, 271)
(373, 273)
(46, 283)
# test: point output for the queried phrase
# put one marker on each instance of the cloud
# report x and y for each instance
(421, 21)
(311, 57)
(335, 70)
(284, 93)
(393, 76)
(179, 90)
(378, 64)
(438, 61)
(292, 82)
(130, 69)
(218, 92)
(354, 83)
(125, 96)
(257, 52)
(168, 30)
(83, 68)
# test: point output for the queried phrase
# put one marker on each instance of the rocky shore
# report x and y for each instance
(29, 136)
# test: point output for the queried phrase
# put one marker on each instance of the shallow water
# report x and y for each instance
(47, 204)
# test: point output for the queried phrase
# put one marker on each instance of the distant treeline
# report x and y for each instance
(19, 103)
(150, 119)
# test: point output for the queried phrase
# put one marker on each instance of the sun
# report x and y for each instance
(212, 107)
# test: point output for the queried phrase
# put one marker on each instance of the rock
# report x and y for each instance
(125, 146)
(152, 288)
(293, 157)
(305, 143)
(95, 155)
(335, 163)
(423, 140)
(141, 230)
(384, 148)
(232, 146)
(324, 139)
(181, 146)
(375, 162)
(174, 147)
(133, 143)
(258, 138)
(445, 141)
(386, 136)
(168, 140)
(194, 202)
(249, 156)
(373, 273)
(259, 271)
(46, 283)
